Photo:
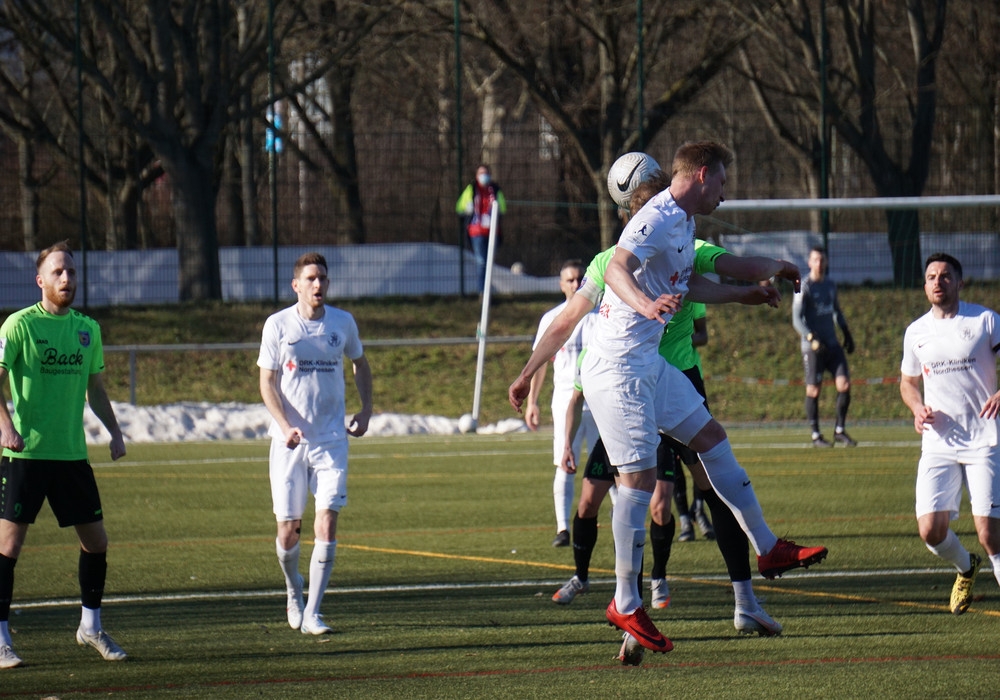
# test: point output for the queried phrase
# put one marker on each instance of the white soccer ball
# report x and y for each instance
(627, 173)
(467, 424)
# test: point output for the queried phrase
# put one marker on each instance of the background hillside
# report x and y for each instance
(752, 360)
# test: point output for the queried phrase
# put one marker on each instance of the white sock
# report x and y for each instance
(90, 620)
(629, 528)
(732, 484)
(5, 634)
(320, 568)
(562, 494)
(995, 561)
(951, 549)
(289, 561)
(745, 599)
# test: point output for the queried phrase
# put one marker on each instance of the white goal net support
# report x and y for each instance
(857, 232)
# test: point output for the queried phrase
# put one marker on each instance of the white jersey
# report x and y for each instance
(310, 358)
(661, 236)
(564, 362)
(957, 359)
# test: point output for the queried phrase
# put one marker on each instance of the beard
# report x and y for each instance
(61, 298)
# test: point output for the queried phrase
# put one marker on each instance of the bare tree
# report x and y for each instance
(579, 62)
(872, 81)
(168, 80)
(26, 126)
(320, 85)
(971, 80)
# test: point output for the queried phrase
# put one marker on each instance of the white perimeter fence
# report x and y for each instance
(416, 269)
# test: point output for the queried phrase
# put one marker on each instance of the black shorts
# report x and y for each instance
(831, 359)
(69, 485)
(600, 469)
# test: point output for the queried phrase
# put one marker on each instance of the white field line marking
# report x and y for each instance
(355, 455)
(437, 587)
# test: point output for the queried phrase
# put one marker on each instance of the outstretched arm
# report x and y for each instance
(706, 291)
(555, 337)
(756, 268)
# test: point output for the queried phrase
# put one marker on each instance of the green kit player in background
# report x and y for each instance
(53, 358)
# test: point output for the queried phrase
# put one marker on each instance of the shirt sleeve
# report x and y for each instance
(268, 358)
(353, 348)
(910, 366)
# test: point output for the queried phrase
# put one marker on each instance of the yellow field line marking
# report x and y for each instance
(699, 581)
(465, 557)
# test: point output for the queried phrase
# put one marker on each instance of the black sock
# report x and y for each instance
(730, 537)
(843, 402)
(660, 538)
(6, 586)
(812, 412)
(680, 491)
(584, 539)
(93, 572)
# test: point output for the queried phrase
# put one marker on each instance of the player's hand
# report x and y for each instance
(923, 418)
(117, 447)
(991, 409)
(292, 438)
(762, 294)
(518, 392)
(568, 462)
(359, 424)
(815, 345)
(654, 309)
(532, 417)
(791, 273)
(848, 342)
(12, 440)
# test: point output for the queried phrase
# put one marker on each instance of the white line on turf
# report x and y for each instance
(436, 587)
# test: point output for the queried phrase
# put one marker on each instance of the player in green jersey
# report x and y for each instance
(53, 357)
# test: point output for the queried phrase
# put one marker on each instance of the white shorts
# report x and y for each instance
(586, 431)
(319, 469)
(941, 475)
(633, 402)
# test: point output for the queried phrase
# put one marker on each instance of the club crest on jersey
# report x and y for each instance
(84, 338)
(966, 333)
(334, 340)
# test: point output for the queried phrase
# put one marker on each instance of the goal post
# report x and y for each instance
(880, 240)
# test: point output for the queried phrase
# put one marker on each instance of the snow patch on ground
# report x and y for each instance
(199, 422)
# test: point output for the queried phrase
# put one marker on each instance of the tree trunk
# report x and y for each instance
(347, 192)
(30, 198)
(904, 244)
(193, 194)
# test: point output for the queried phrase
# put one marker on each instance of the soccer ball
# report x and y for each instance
(467, 424)
(627, 173)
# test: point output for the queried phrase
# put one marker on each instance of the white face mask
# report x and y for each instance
(483, 179)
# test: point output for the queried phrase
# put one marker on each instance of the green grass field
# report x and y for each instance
(444, 576)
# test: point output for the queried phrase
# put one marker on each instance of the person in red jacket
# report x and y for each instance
(476, 205)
